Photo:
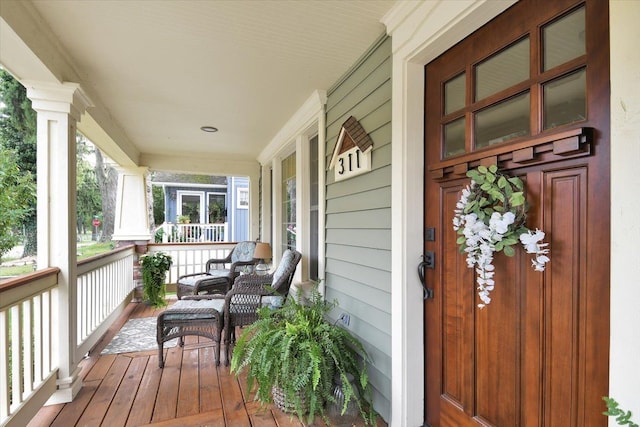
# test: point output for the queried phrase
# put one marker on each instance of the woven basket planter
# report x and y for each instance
(279, 399)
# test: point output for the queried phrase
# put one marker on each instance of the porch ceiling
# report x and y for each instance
(158, 70)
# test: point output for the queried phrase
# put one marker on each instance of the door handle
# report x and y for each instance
(427, 262)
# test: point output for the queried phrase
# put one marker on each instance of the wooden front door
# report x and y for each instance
(528, 92)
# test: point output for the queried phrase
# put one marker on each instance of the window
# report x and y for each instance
(534, 83)
(190, 206)
(289, 225)
(243, 198)
(217, 210)
(313, 209)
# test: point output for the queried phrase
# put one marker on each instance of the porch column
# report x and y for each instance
(59, 107)
(131, 222)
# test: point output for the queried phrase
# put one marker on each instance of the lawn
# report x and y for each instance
(84, 251)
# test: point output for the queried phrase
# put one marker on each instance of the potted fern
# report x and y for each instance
(154, 269)
(292, 355)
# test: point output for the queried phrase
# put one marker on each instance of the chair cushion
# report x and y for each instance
(193, 280)
(220, 273)
(285, 263)
(273, 301)
(180, 310)
(243, 251)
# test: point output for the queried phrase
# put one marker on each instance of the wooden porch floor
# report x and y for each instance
(130, 390)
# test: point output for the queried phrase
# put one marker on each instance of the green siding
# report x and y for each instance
(358, 216)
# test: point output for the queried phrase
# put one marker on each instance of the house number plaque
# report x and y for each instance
(352, 154)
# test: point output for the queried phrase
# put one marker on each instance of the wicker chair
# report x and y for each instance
(252, 291)
(217, 278)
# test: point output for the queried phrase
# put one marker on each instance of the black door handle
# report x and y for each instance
(428, 292)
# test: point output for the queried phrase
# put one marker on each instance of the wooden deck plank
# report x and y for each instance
(167, 397)
(46, 415)
(72, 411)
(145, 400)
(232, 400)
(120, 407)
(100, 368)
(204, 419)
(210, 393)
(189, 391)
(97, 408)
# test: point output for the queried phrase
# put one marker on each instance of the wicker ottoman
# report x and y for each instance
(193, 315)
(194, 284)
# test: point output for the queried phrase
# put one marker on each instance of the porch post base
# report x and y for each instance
(67, 389)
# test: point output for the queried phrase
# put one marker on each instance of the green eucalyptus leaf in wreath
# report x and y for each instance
(509, 241)
(509, 251)
(517, 182)
(482, 169)
(502, 182)
(517, 199)
(493, 168)
(486, 186)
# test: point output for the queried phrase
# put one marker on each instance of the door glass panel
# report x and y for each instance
(565, 100)
(454, 138)
(563, 39)
(217, 209)
(454, 91)
(503, 70)
(503, 122)
(190, 207)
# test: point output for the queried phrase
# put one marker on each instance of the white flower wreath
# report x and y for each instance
(490, 217)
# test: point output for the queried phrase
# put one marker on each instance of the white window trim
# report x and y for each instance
(239, 197)
(307, 122)
(181, 193)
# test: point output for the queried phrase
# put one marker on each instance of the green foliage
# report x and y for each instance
(89, 202)
(18, 134)
(16, 199)
(495, 192)
(296, 349)
(154, 268)
(157, 193)
(623, 418)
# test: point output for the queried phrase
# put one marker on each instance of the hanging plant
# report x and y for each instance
(154, 268)
(490, 217)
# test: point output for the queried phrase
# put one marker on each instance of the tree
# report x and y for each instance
(89, 201)
(107, 178)
(16, 199)
(158, 204)
(18, 134)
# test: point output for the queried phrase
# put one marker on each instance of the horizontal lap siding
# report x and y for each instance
(358, 217)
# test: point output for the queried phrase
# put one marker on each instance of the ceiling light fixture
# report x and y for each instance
(209, 129)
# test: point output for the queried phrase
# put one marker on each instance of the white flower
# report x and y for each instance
(530, 241)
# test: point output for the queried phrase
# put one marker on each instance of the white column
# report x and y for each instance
(132, 209)
(59, 108)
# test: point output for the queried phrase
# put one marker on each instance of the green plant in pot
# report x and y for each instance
(154, 269)
(292, 355)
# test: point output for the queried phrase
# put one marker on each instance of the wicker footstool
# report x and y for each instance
(193, 315)
(194, 284)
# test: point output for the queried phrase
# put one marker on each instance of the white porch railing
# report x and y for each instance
(190, 258)
(184, 233)
(29, 327)
(105, 284)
